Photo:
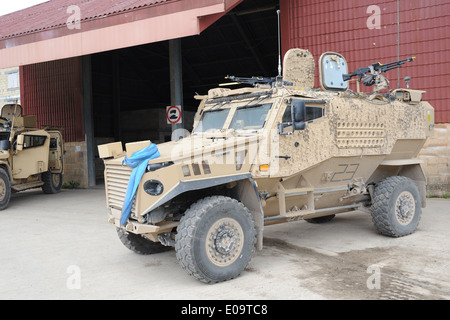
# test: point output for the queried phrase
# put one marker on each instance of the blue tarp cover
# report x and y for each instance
(138, 161)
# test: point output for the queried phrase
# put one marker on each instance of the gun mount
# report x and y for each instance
(371, 75)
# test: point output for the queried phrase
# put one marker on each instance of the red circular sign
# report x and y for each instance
(173, 114)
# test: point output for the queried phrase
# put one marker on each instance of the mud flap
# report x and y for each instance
(248, 195)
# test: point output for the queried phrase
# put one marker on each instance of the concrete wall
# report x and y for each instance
(436, 157)
(75, 164)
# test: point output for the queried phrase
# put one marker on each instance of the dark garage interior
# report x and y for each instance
(131, 86)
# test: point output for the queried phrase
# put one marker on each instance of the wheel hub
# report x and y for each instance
(224, 242)
(56, 179)
(405, 208)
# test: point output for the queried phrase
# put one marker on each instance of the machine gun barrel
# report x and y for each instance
(252, 80)
(255, 80)
(360, 72)
(398, 63)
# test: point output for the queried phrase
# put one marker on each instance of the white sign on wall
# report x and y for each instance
(173, 114)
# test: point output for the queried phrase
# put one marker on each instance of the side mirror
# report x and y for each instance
(299, 125)
(297, 115)
(19, 146)
(298, 111)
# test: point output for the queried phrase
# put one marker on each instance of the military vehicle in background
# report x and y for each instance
(275, 151)
(29, 157)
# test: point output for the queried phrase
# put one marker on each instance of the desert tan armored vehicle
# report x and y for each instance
(272, 152)
(29, 157)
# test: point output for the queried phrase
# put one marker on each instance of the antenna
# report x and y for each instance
(279, 46)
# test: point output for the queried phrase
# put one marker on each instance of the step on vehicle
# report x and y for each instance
(272, 151)
(29, 157)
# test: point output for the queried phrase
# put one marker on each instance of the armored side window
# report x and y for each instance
(53, 143)
(311, 113)
(287, 116)
(33, 141)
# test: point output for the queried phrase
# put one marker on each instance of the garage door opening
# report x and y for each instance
(131, 86)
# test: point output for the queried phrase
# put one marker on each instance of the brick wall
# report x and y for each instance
(436, 157)
(75, 164)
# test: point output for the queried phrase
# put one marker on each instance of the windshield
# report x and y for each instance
(253, 117)
(212, 120)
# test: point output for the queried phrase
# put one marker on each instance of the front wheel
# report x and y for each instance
(396, 206)
(215, 239)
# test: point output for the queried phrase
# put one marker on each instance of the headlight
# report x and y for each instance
(153, 187)
(156, 166)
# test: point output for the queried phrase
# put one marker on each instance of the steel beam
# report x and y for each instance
(176, 78)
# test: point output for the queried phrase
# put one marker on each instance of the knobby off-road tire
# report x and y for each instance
(139, 244)
(52, 182)
(396, 206)
(5, 189)
(215, 239)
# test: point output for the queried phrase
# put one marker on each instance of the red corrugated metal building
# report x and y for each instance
(342, 26)
(365, 32)
(319, 26)
(53, 91)
(52, 56)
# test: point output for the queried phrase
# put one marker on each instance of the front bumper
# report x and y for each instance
(140, 228)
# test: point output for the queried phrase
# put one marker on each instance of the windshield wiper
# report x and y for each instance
(219, 105)
(239, 97)
(261, 98)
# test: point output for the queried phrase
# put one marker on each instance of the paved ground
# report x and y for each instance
(62, 247)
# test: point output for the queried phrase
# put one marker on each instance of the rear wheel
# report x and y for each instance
(52, 182)
(215, 239)
(396, 206)
(5, 189)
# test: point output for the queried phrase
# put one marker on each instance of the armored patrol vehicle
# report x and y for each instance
(274, 151)
(29, 157)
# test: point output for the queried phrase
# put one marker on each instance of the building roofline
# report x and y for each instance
(158, 20)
